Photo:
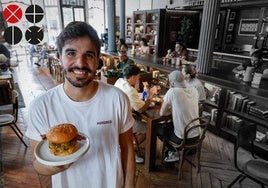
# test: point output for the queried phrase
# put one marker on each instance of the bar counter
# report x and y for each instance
(225, 78)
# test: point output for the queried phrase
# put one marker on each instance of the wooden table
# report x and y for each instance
(152, 118)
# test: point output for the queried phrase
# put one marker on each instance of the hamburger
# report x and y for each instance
(63, 139)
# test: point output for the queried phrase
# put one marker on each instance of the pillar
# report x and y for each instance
(122, 18)
(207, 35)
(111, 25)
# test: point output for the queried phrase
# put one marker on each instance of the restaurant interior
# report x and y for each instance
(218, 35)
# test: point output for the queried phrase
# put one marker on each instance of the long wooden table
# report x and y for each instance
(153, 119)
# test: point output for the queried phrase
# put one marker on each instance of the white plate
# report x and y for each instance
(6, 118)
(44, 156)
(152, 104)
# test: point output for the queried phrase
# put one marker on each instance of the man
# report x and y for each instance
(183, 102)
(123, 58)
(256, 62)
(98, 110)
(131, 77)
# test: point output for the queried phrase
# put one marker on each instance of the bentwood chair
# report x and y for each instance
(245, 161)
(9, 109)
(185, 148)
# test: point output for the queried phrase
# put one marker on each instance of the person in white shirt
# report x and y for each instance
(100, 111)
(191, 80)
(131, 77)
(183, 102)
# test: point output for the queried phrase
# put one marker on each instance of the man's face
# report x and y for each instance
(135, 79)
(122, 54)
(178, 47)
(79, 61)
(183, 72)
(254, 61)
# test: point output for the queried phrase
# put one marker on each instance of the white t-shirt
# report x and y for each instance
(135, 101)
(199, 86)
(184, 104)
(102, 118)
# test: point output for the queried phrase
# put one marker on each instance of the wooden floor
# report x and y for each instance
(217, 169)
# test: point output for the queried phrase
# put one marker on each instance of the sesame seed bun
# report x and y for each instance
(62, 133)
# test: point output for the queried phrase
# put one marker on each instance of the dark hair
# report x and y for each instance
(190, 69)
(257, 53)
(144, 41)
(75, 30)
(182, 45)
(125, 45)
(122, 41)
(131, 70)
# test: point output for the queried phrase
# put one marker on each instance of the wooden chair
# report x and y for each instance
(185, 147)
(245, 161)
(9, 108)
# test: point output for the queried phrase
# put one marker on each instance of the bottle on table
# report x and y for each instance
(145, 93)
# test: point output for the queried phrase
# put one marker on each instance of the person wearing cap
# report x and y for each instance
(183, 103)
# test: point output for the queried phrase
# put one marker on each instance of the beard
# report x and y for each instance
(79, 81)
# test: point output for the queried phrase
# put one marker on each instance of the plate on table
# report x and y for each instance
(152, 104)
(44, 156)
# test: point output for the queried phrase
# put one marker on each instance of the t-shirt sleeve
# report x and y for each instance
(135, 100)
(167, 97)
(126, 114)
(36, 127)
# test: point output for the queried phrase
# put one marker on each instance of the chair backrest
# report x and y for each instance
(245, 137)
(5, 93)
(197, 123)
(10, 105)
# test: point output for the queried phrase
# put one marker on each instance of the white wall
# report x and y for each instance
(133, 5)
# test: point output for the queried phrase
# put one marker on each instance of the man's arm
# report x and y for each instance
(151, 93)
(165, 109)
(44, 169)
(128, 158)
(265, 74)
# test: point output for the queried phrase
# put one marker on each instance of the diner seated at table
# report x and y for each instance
(123, 57)
(131, 77)
(191, 80)
(182, 101)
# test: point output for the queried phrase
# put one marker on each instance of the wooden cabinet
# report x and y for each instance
(147, 24)
(162, 28)
(129, 32)
(232, 105)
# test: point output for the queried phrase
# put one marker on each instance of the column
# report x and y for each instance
(207, 35)
(122, 18)
(111, 24)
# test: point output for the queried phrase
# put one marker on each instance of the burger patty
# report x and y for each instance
(63, 146)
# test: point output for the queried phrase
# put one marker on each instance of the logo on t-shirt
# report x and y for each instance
(104, 122)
